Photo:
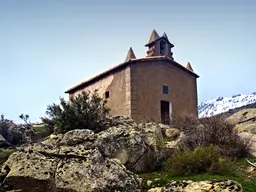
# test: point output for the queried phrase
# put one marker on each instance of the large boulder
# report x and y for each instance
(125, 144)
(16, 134)
(68, 162)
(244, 120)
(82, 159)
(3, 142)
(243, 116)
(245, 124)
(199, 186)
(251, 139)
(29, 171)
(139, 147)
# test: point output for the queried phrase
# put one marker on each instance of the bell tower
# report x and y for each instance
(159, 46)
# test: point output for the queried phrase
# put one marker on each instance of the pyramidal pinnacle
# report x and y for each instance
(130, 55)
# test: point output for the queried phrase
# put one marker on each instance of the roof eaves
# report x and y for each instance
(162, 37)
(170, 60)
(82, 84)
(124, 64)
(183, 67)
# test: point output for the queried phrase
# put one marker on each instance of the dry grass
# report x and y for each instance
(213, 130)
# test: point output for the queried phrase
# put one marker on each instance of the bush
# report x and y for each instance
(201, 160)
(41, 132)
(213, 130)
(4, 154)
(85, 111)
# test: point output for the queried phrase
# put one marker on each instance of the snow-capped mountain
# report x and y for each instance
(224, 104)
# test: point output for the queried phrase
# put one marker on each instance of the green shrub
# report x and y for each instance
(41, 132)
(4, 154)
(201, 160)
(212, 131)
(85, 111)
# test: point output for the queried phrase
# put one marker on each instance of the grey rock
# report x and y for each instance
(30, 171)
(16, 134)
(67, 163)
(199, 186)
(82, 159)
(245, 123)
(3, 142)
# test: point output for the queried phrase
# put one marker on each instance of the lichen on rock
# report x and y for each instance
(200, 186)
(82, 159)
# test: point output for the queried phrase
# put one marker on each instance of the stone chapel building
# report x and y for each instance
(152, 88)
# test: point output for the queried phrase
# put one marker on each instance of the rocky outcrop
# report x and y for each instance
(82, 159)
(3, 142)
(15, 134)
(69, 162)
(243, 118)
(139, 147)
(33, 171)
(245, 124)
(251, 139)
(199, 186)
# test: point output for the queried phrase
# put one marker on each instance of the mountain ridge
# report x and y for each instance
(226, 104)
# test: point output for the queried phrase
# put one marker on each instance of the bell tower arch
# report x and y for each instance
(159, 46)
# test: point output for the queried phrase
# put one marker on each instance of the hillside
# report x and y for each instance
(228, 105)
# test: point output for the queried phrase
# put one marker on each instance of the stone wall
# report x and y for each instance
(147, 80)
(136, 90)
(118, 85)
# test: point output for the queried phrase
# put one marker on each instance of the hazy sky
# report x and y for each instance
(50, 45)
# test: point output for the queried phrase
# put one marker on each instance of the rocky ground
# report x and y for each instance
(245, 121)
(202, 186)
(81, 160)
(12, 135)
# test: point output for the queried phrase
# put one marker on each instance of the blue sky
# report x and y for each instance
(48, 46)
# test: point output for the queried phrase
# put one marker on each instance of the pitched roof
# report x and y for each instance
(125, 64)
(130, 55)
(154, 36)
(165, 36)
(189, 67)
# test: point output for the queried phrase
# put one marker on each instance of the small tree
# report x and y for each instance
(85, 111)
(25, 118)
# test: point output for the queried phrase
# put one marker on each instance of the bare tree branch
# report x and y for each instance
(252, 164)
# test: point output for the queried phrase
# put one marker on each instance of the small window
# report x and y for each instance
(165, 90)
(106, 94)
